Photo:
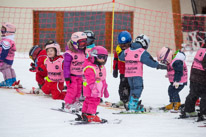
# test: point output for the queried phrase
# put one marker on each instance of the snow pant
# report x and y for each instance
(196, 90)
(8, 72)
(74, 90)
(136, 86)
(124, 89)
(90, 105)
(40, 78)
(54, 88)
(174, 93)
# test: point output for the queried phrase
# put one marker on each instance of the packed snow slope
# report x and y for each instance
(31, 116)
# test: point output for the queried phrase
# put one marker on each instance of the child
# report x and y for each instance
(134, 58)
(73, 65)
(94, 83)
(7, 52)
(54, 83)
(124, 41)
(38, 56)
(90, 41)
(197, 85)
(176, 72)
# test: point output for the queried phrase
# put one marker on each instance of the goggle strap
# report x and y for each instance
(167, 53)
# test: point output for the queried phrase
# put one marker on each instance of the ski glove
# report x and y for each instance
(118, 49)
(33, 69)
(160, 66)
(40, 69)
(115, 73)
(176, 85)
(68, 81)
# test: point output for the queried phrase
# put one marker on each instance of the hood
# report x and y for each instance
(135, 46)
(180, 56)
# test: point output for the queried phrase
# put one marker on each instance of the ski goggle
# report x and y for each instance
(102, 56)
(165, 61)
(82, 43)
(3, 30)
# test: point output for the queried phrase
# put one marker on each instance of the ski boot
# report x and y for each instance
(7, 83)
(77, 106)
(91, 118)
(170, 106)
(16, 84)
(134, 105)
(177, 105)
(200, 117)
(187, 114)
(3, 84)
(73, 108)
(69, 108)
(36, 91)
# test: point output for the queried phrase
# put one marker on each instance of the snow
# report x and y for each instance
(31, 116)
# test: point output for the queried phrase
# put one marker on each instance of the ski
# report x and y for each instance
(17, 89)
(33, 91)
(204, 125)
(128, 112)
(104, 121)
(63, 110)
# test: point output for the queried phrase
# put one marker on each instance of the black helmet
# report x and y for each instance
(34, 52)
(49, 42)
(90, 36)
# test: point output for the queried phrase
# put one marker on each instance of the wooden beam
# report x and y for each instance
(177, 23)
(35, 27)
(60, 29)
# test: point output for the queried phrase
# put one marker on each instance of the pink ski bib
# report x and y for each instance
(55, 72)
(77, 62)
(133, 66)
(197, 63)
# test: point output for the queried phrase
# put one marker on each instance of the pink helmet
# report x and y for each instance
(165, 55)
(98, 52)
(79, 39)
(10, 29)
(55, 46)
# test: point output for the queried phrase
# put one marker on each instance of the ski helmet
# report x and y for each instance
(124, 37)
(10, 28)
(56, 46)
(49, 42)
(79, 39)
(34, 52)
(165, 55)
(90, 36)
(98, 52)
(143, 40)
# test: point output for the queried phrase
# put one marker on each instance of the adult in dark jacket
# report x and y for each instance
(197, 84)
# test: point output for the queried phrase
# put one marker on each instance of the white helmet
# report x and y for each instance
(144, 40)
